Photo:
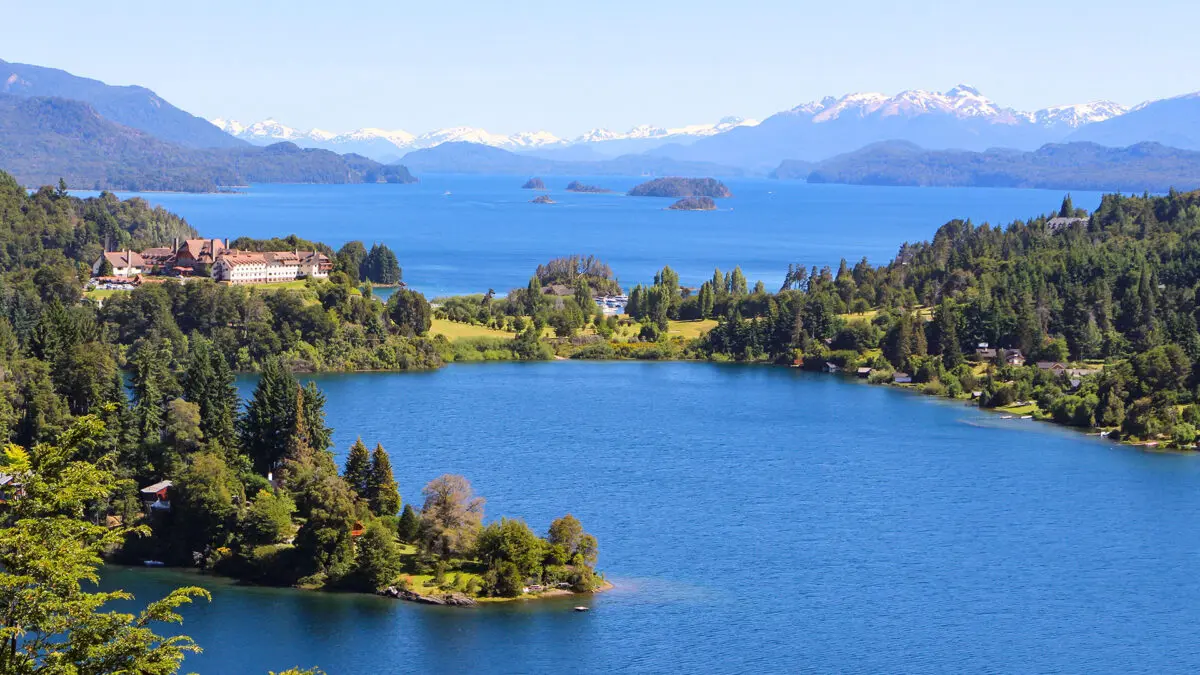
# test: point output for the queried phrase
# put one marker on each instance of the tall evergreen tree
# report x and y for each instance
(153, 386)
(358, 468)
(270, 416)
(383, 494)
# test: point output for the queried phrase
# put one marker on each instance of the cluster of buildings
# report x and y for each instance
(211, 258)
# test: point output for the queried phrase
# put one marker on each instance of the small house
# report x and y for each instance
(1053, 366)
(902, 378)
(985, 352)
(156, 496)
(1014, 357)
(831, 367)
(863, 372)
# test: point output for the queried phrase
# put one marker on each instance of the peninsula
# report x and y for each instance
(681, 187)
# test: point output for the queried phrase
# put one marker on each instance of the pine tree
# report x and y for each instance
(382, 492)
(1068, 208)
(319, 436)
(153, 385)
(358, 467)
(270, 417)
(409, 527)
(737, 283)
(583, 297)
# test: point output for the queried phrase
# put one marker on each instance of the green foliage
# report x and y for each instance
(409, 527)
(410, 312)
(49, 549)
(358, 468)
(268, 520)
(380, 266)
(382, 492)
(377, 558)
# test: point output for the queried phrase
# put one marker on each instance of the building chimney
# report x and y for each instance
(176, 249)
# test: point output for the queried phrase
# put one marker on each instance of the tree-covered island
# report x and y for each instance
(681, 187)
(577, 186)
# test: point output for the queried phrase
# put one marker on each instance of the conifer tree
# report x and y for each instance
(1068, 208)
(153, 385)
(583, 298)
(270, 417)
(409, 528)
(358, 468)
(382, 492)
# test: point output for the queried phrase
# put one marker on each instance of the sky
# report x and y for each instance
(566, 67)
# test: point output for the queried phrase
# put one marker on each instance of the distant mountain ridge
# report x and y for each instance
(132, 106)
(386, 145)
(958, 118)
(1071, 166)
(43, 139)
(476, 158)
(1171, 121)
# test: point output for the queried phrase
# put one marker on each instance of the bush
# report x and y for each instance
(600, 351)
(1183, 435)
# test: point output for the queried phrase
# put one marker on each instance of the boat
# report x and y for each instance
(581, 608)
(153, 563)
(1006, 417)
(1026, 417)
(446, 193)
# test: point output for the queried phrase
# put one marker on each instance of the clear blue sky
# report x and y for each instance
(568, 66)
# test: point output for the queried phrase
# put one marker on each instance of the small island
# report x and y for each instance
(576, 186)
(681, 187)
(542, 199)
(694, 204)
(534, 183)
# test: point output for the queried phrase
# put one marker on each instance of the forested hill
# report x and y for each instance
(1117, 289)
(1074, 166)
(43, 139)
(135, 107)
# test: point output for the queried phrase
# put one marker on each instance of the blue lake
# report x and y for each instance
(465, 234)
(754, 519)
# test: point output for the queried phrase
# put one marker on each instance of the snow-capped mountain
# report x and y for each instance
(960, 117)
(386, 145)
(646, 131)
(962, 102)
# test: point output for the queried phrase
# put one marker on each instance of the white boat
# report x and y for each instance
(1006, 417)
(581, 608)
(1026, 417)
(153, 563)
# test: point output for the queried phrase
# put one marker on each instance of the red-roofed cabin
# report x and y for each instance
(357, 530)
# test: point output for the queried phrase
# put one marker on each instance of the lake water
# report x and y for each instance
(753, 519)
(465, 234)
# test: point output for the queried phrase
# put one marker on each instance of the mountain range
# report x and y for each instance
(96, 136)
(1145, 166)
(477, 158)
(135, 107)
(53, 123)
(959, 118)
(386, 146)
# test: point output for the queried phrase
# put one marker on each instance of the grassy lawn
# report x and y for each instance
(860, 316)
(423, 583)
(453, 330)
(1019, 409)
(691, 329)
(102, 293)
